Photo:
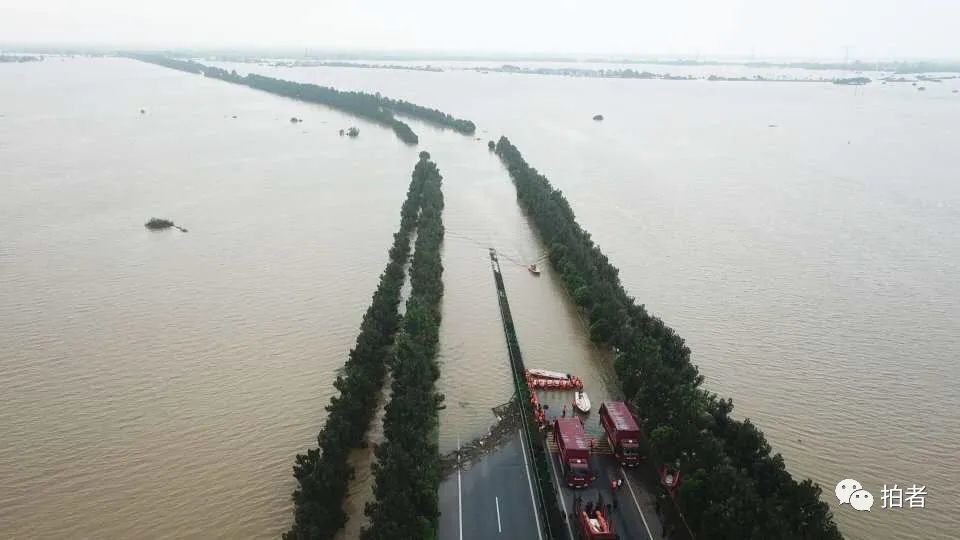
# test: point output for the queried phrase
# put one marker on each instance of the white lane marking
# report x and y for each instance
(526, 468)
(459, 490)
(553, 467)
(497, 501)
(635, 502)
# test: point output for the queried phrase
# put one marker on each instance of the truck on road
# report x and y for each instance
(622, 431)
(593, 521)
(574, 451)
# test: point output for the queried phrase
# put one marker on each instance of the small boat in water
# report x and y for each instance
(581, 401)
(534, 269)
(547, 374)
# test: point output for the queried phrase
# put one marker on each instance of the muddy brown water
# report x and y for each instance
(159, 384)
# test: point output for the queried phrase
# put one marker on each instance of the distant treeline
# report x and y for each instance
(407, 472)
(732, 487)
(629, 73)
(323, 473)
(855, 65)
(341, 64)
(373, 107)
(574, 72)
(854, 81)
(13, 58)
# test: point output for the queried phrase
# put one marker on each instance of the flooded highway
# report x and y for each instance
(160, 384)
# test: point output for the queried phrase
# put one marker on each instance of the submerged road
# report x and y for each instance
(493, 498)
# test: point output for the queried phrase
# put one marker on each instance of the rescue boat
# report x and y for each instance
(581, 401)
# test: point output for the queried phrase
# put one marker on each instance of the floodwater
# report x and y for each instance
(159, 384)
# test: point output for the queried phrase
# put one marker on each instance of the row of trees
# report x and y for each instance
(407, 472)
(323, 473)
(733, 487)
(373, 107)
(433, 116)
(358, 103)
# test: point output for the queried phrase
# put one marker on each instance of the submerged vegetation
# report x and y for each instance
(323, 473)
(373, 107)
(407, 472)
(732, 486)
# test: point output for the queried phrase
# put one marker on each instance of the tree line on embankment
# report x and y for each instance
(373, 107)
(732, 487)
(323, 473)
(407, 470)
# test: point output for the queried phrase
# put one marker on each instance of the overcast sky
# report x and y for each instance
(797, 28)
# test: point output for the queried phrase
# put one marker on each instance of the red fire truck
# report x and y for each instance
(574, 451)
(622, 431)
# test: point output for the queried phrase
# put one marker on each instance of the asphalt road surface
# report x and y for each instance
(492, 499)
(634, 517)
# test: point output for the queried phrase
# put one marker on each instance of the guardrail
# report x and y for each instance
(551, 516)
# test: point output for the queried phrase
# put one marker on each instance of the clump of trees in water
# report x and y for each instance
(373, 107)
(732, 486)
(323, 473)
(158, 224)
(407, 472)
